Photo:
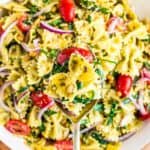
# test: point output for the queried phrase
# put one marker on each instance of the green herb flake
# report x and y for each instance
(126, 101)
(100, 73)
(104, 10)
(22, 89)
(98, 137)
(45, 1)
(27, 22)
(42, 128)
(53, 53)
(85, 122)
(146, 39)
(99, 107)
(79, 84)
(71, 26)
(81, 100)
(89, 18)
(56, 22)
(112, 113)
(33, 9)
(146, 65)
(50, 112)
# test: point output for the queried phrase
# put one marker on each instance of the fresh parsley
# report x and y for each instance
(79, 84)
(100, 73)
(98, 137)
(50, 112)
(42, 128)
(33, 9)
(99, 107)
(112, 113)
(89, 18)
(146, 39)
(81, 100)
(146, 65)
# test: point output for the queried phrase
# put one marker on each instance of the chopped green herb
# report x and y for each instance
(97, 62)
(100, 73)
(22, 89)
(112, 113)
(84, 122)
(50, 112)
(34, 134)
(53, 53)
(27, 22)
(104, 10)
(81, 100)
(79, 84)
(33, 9)
(99, 138)
(56, 22)
(110, 61)
(41, 128)
(147, 39)
(126, 101)
(60, 68)
(147, 65)
(99, 107)
(45, 1)
(89, 18)
(71, 26)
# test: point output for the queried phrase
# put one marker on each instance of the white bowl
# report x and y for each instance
(136, 142)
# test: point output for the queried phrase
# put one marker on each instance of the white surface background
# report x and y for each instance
(142, 8)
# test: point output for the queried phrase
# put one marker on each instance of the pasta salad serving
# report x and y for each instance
(73, 51)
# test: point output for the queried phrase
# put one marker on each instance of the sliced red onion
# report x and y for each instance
(141, 104)
(2, 89)
(18, 110)
(36, 44)
(145, 73)
(112, 26)
(44, 10)
(42, 111)
(53, 29)
(142, 80)
(5, 33)
(126, 136)
(134, 102)
(22, 95)
(4, 73)
(27, 48)
(2, 68)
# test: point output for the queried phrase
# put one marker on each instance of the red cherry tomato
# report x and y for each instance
(64, 145)
(66, 53)
(67, 10)
(18, 127)
(145, 116)
(41, 100)
(115, 24)
(23, 24)
(1, 30)
(124, 84)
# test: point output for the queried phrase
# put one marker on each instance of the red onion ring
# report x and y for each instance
(42, 111)
(140, 102)
(2, 89)
(6, 32)
(53, 29)
(126, 136)
(27, 48)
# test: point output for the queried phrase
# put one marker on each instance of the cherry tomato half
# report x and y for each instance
(23, 23)
(67, 10)
(66, 53)
(115, 24)
(124, 84)
(1, 30)
(64, 145)
(145, 116)
(18, 127)
(41, 100)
